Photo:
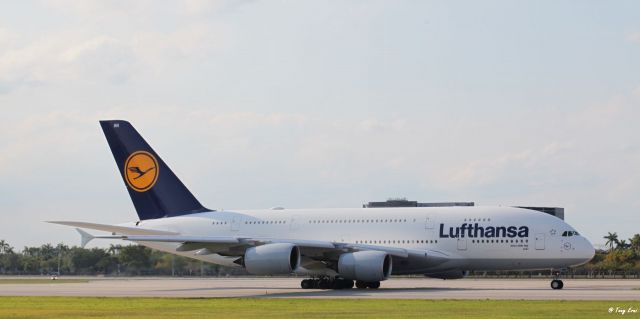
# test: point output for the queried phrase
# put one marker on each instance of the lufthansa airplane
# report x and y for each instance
(336, 248)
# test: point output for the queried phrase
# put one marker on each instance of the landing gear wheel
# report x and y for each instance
(325, 284)
(361, 284)
(347, 284)
(341, 283)
(557, 284)
(373, 285)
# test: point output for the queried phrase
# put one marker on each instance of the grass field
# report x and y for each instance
(41, 281)
(83, 307)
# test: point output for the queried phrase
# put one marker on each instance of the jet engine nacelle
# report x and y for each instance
(365, 265)
(272, 259)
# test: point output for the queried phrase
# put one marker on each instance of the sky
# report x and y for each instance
(319, 104)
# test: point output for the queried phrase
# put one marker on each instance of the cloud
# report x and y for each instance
(634, 37)
(142, 11)
(191, 43)
(206, 7)
(377, 125)
(261, 105)
(86, 57)
(65, 57)
(500, 168)
(7, 38)
(102, 57)
(118, 41)
(100, 10)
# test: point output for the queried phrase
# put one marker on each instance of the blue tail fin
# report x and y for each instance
(155, 191)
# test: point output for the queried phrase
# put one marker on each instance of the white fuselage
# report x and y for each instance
(469, 238)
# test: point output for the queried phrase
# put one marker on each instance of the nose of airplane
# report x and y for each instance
(587, 251)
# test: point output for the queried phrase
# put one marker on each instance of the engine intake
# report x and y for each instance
(365, 265)
(272, 259)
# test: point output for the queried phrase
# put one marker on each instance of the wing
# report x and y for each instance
(225, 245)
(115, 229)
(314, 252)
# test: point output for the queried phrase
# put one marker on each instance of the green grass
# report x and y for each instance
(83, 307)
(42, 281)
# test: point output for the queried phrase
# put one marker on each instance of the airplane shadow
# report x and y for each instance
(373, 293)
(285, 292)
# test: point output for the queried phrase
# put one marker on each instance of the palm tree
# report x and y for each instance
(634, 242)
(612, 239)
(5, 248)
(114, 250)
(622, 244)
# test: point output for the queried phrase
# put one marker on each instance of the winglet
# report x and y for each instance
(85, 237)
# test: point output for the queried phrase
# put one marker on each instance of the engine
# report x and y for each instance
(272, 259)
(366, 266)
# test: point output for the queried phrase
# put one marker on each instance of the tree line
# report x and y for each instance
(621, 258)
(117, 260)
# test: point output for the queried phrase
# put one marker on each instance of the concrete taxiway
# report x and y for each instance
(400, 288)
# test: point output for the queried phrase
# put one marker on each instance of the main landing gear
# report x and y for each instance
(556, 283)
(371, 285)
(336, 283)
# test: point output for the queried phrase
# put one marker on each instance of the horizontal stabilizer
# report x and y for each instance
(85, 237)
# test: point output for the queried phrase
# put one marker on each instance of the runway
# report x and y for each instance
(401, 288)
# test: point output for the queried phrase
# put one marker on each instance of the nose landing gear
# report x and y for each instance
(556, 283)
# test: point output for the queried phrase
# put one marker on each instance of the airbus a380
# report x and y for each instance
(336, 248)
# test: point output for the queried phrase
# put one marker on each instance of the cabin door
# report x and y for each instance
(462, 244)
(540, 241)
(235, 223)
(428, 225)
(429, 228)
(294, 223)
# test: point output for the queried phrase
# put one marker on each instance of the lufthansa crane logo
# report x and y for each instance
(141, 171)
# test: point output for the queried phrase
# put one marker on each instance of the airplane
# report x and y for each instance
(335, 248)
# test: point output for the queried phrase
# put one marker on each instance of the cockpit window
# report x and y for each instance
(570, 233)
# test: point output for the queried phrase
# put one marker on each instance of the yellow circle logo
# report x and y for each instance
(141, 171)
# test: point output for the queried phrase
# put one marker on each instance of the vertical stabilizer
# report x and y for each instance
(155, 190)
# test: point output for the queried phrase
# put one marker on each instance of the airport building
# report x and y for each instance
(555, 211)
(403, 202)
